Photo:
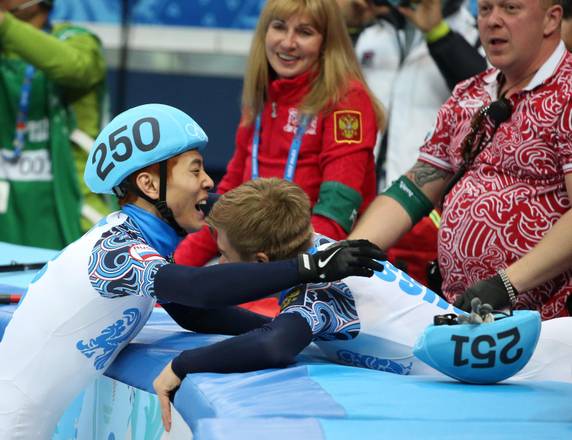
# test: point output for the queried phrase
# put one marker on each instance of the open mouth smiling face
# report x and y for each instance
(292, 45)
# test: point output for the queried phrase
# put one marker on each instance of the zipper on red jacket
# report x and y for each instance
(274, 114)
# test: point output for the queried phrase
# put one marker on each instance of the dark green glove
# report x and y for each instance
(342, 259)
(490, 291)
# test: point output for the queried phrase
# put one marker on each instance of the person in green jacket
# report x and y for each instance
(51, 88)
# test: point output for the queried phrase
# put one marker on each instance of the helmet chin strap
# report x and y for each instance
(160, 204)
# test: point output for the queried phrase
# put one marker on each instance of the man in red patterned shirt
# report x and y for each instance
(503, 171)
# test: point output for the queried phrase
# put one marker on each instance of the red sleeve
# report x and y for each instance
(346, 155)
(328, 227)
(235, 168)
(196, 249)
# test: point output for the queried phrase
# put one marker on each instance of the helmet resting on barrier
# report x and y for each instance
(139, 137)
(481, 353)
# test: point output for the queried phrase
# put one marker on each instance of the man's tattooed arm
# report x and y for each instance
(423, 173)
(429, 179)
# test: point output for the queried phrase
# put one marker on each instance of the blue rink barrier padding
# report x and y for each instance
(5, 315)
(328, 401)
(317, 400)
(16, 282)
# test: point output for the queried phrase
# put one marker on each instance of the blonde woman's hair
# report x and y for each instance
(264, 215)
(338, 64)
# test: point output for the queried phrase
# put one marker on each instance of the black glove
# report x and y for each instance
(490, 291)
(343, 259)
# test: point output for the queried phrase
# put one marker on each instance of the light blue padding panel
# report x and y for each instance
(24, 254)
(370, 394)
(5, 316)
(21, 254)
(378, 405)
(278, 428)
(289, 392)
(439, 429)
(345, 429)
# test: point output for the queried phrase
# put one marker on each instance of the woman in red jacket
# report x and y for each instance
(307, 116)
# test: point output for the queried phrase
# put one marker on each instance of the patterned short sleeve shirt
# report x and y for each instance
(515, 189)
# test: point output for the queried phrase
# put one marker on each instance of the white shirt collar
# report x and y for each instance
(542, 74)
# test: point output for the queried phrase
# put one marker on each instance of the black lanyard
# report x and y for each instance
(499, 111)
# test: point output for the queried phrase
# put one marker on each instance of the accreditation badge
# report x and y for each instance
(4, 194)
(348, 127)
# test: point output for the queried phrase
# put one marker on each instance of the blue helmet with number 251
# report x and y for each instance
(481, 353)
(136, 138)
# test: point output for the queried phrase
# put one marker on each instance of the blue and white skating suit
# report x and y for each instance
(86, 305)
(375, 322)
(368, 322)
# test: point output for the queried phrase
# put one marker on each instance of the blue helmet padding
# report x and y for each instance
(136, 138)
(481, 353)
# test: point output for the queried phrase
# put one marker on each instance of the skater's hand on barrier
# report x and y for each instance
(165, 385)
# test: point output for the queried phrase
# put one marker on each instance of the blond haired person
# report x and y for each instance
(307, 116)
(365, 322)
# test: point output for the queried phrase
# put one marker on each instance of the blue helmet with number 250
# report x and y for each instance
(481, 353)
(136, 138)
